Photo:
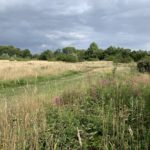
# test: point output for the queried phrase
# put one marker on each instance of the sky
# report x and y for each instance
(51, 24)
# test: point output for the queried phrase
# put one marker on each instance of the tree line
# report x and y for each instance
(71, 54)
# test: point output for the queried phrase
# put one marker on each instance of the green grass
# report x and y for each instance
(111, 115)
(35, 80)
(48, 86)
(94, 111)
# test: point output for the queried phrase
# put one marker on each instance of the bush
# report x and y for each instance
(144, 66)
(122, 59)
(109, 58)
(46, 55)
(68, 58)
(5, 56)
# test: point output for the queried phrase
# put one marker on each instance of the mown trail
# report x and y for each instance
(49, 85)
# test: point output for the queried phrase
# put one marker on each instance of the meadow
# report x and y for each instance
(93, 105)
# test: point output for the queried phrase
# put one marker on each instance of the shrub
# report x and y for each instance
(68, 58)
(121, 59)
(46, 55)
(5, 56)
(93, 59)
(144, 66)
(109, 58)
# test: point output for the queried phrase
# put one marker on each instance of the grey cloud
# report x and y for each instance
(42, 24)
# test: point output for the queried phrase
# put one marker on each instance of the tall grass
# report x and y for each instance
(14, 70)
(106, 112)
(113, 114)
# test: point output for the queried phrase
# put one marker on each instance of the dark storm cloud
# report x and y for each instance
(42, 24)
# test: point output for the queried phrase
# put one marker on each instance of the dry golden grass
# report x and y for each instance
(141, 79)
(10, 70)
(21, 121)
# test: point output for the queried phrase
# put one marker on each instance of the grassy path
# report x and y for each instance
(46, 85)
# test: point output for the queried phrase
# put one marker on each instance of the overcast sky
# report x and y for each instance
(52, 24)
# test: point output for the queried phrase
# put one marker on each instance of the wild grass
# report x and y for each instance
(113, 114)
(101, 109)
(37, 80)
(14, 70)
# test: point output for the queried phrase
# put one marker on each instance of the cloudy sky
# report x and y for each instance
(52, 24)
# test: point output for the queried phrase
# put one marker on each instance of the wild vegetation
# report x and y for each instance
(71, 54)
(144, 65)
(96, 105)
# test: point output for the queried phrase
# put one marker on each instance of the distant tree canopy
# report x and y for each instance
(69, 50)
(92, 51)
(118, 54)
(10, 51)
(46, 55)
(26, 53)
(71, 54)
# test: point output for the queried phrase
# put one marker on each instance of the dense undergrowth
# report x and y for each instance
(113, 114)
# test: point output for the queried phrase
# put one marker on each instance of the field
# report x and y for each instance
(70, 106)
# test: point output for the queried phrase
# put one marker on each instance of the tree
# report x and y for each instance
(92, 51)
(69, 50)
(68, 58)
(81, 55)
(93, 47)
(57, 52)
(10, 50)
(139, 55)
(46, 55)
(26, 53)
(35, 56)
(111, 51)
